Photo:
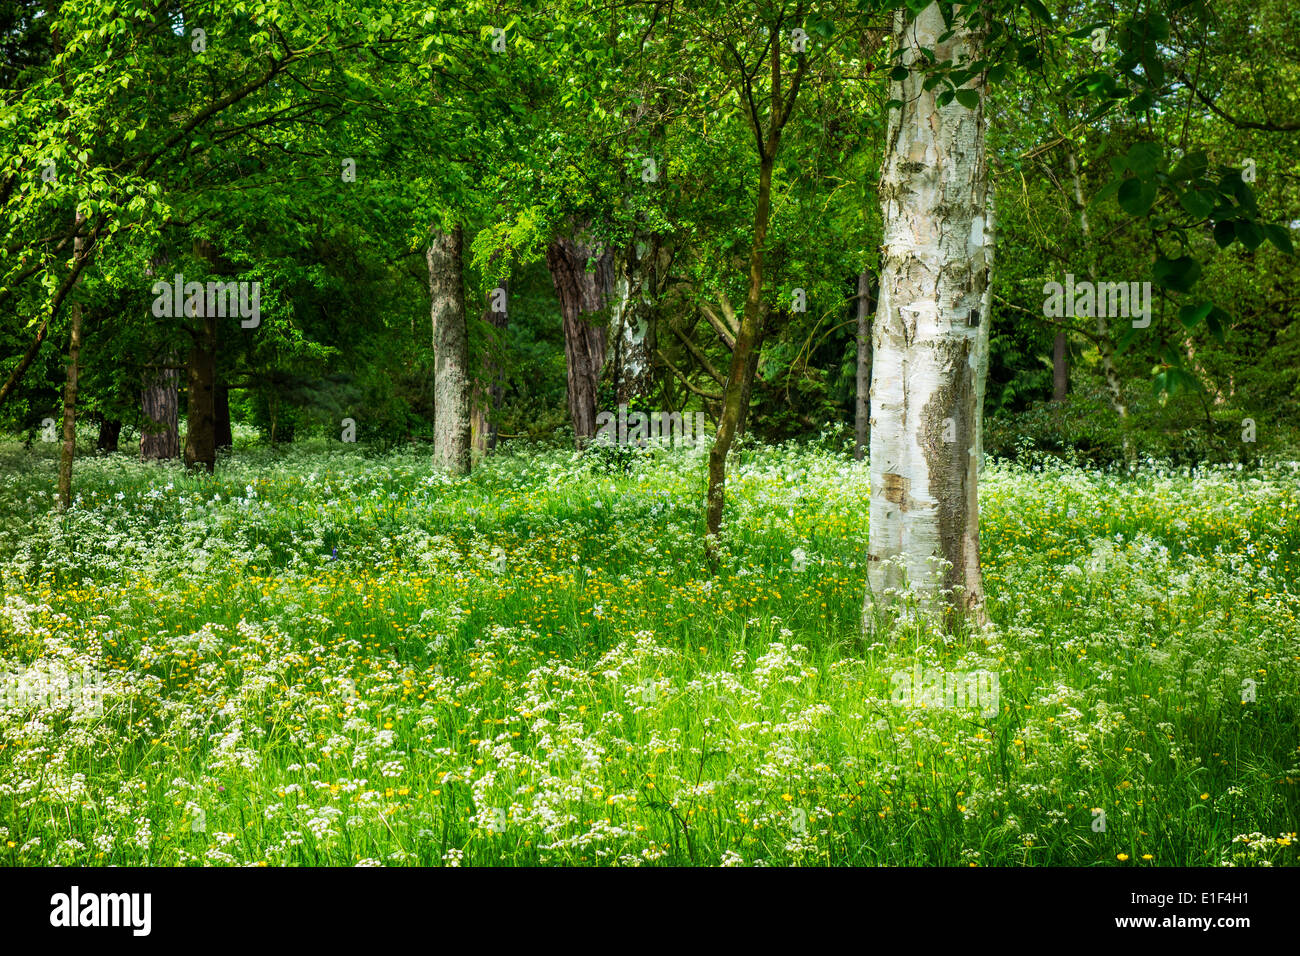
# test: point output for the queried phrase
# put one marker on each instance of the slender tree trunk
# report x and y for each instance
(862, 403)
(931, 335)
(749, 336)
(160, 402)
(451, 429)
(581, 292)
(200, 413)
(489, 391)
(69, 449)
(735, 394)
(751, 370)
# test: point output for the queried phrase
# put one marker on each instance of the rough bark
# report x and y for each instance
(160, 402)
(862, 403)
(451, 428)
(200, 409)
(931, 336)
(1060, 367)
(581, 292)
(633, 299)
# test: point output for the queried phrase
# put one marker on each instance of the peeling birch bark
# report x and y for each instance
(631, 330)
(930, 337)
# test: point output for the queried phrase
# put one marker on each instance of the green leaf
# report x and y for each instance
(1192, 315)
(1136, 196)
(1177, 274)
(1038, 10)
(1279, 236)
(1191, 166)
(1250, 234)
(1197, 202)
(1225, 231)
(1106, 192)
(1179, 379)
(1215, 321)
(1144, 158)
(968, 98)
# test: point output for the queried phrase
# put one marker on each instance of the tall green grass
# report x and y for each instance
(326, 657)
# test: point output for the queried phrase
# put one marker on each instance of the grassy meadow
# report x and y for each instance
(337, 657)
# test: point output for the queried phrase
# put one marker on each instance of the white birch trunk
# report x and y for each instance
(631, 301)
(930, 337)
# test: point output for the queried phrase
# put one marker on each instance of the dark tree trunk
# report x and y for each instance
(160, 402)
(1060, 367)
(581, 292)
(110, 430)
(200, 430)
(221, 410)
(201, 399)
(862, 402)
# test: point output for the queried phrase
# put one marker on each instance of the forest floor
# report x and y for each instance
(322, 656)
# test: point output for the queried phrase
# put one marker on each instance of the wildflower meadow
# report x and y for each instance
(326, 657)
